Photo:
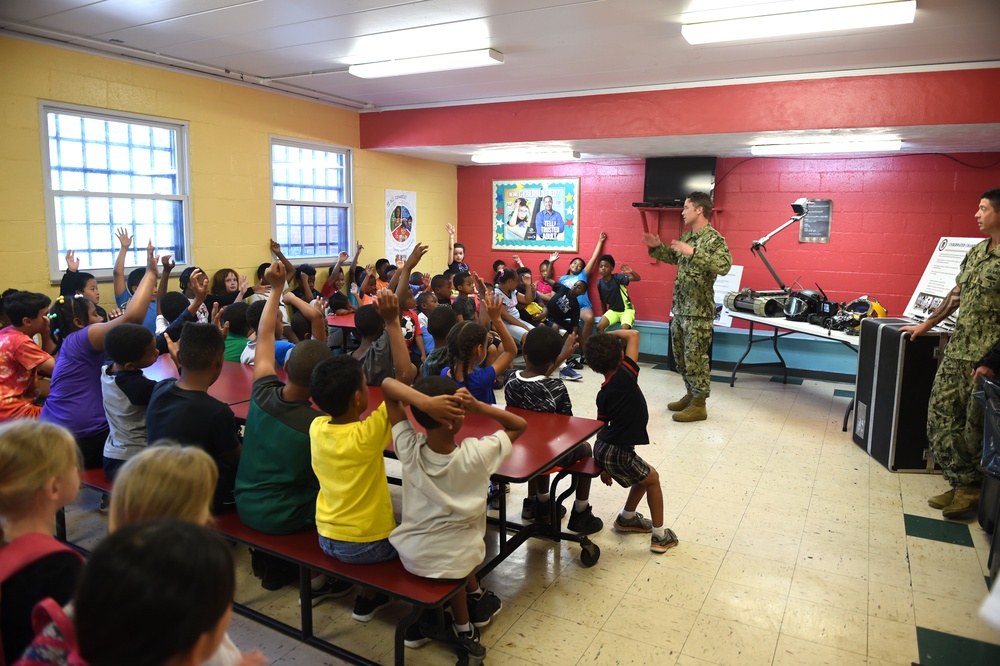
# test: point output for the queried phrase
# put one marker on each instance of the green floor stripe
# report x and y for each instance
(940, 649)
(797, 381)
(842, 393)
(938, 530)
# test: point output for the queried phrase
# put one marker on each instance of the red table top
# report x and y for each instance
(233, 385)
(548, 437)
(341, 321)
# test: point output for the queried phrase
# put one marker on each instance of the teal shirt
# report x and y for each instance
(235, 344)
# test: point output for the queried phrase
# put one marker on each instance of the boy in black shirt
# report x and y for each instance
(183, 411)
(611, 287)
(621, 405)
(463, 305)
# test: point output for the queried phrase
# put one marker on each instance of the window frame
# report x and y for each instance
(348, 152)
(182, 129)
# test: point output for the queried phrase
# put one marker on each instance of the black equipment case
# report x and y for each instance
(894, 381)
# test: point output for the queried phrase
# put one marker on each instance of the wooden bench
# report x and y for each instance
(302, 549)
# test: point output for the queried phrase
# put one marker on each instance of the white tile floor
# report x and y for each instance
(792, 551)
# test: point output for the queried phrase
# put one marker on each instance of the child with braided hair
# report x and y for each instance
(467, 345)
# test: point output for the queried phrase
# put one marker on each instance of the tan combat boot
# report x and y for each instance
(965, 503)
(678, 405)
(942, 500)
(693, 412)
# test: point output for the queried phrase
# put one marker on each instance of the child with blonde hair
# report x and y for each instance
(39, 465)
(168, 481)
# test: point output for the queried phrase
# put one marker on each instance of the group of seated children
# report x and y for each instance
(299, 467)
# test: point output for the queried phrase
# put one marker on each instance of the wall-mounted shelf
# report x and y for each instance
(653, 217)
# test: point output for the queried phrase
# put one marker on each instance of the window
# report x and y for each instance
(311, 193)
(107, 170)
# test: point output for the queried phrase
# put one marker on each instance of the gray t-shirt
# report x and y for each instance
(126, 395)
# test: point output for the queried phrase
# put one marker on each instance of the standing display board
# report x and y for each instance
(939, 279)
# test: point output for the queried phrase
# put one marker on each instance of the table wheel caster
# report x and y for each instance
(590, 553)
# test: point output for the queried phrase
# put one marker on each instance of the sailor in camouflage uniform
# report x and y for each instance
(701, 255)
(954, 419)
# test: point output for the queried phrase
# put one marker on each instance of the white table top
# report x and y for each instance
(798, 327)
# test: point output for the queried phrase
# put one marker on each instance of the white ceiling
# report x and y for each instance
(551, 48)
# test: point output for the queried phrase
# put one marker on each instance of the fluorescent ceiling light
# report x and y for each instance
(432, 63)
(772, 23)
(879, 146)
(524, 156)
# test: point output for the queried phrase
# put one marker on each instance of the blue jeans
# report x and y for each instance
(350, 552)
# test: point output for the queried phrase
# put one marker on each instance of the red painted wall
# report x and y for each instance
(888, 213)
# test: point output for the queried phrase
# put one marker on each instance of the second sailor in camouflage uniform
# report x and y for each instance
(954, 419)
(701, 255)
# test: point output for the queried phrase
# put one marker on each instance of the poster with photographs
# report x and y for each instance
(400, 223)
(540, 215)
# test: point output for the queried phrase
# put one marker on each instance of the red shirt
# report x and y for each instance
(19, 356)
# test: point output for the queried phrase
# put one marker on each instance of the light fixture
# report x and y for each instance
(524, 156)
(881, 145)
(822, 16)
(432, 63)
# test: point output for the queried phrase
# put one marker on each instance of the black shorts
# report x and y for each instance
(621, 462)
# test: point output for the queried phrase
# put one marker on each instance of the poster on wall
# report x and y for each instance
(400, 224)
(939, 279)
(725, 284)
(539, 215)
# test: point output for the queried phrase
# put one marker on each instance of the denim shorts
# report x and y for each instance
(351, 552)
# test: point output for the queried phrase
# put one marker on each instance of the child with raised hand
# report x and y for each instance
(74, 400)
(409, 322)
(124, 288)
(21, 360)
(78, 283)
(546, 271)
(578, 271)
(276, 488)
(468, 342)
(281, 347)
(612, 288)
(171, 482)
(444, 514)
(622, 407)
(354, 515)
(182, 410)
(38, 476)
(456, 253)
(506, 294)
(533, 389)
(382, 352)
(126, 393)
(312, 312)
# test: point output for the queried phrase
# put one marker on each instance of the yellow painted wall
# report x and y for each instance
(230, 127)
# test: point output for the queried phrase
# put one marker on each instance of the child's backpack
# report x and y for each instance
(55, 638)
(21, 552)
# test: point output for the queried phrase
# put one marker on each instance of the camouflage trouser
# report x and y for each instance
(955, 423)
(691, 338)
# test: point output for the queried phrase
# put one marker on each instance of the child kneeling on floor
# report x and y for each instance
(444, 511)
(621, 405)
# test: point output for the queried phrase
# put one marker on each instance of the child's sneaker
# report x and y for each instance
(482, 607)
(365, 609)
(664, 543)
(413, 636)
(543, 512)
(637, 523)
(528, 508)
(584, 522)
(495, 495)
(331, 589)
(569, 374)
(468, 642)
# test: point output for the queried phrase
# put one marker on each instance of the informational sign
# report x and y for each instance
(939, 279)
(815, 226)
(541, 215)
(723, 285)
(400, 224)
